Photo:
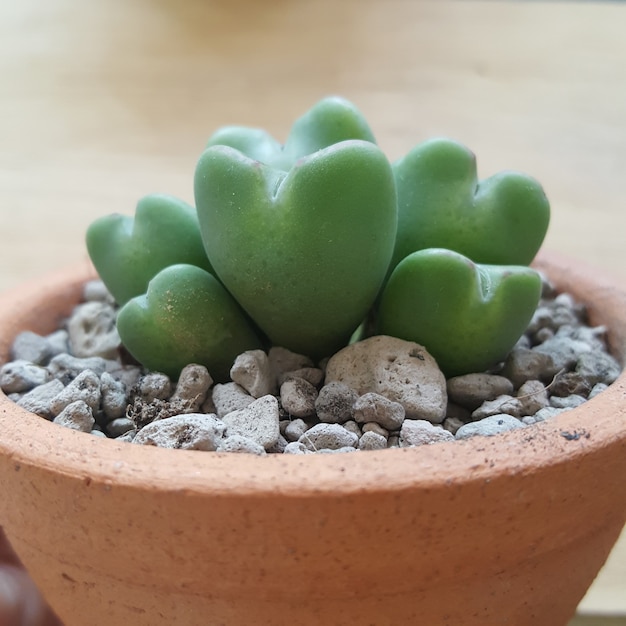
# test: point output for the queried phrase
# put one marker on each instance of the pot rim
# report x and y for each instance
(27, 439)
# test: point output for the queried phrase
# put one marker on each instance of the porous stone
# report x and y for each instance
(97, 433)
(353, 427)
(228, 397)
(85, 387)
(129, 375)
(114, 400)
(29, 346)
(489, 426)
(341, 450)
(92, 331)
(279, 446)
(283, 361)
(594, 337)
(523, 364)
(548, 412)
(39, 399)
(452, 424)
(422, 432)
(193, 386)
(532, 396)
(471, 390)
(399, 370)
(373, 427)
(335, 403)
(567, 383)
(128, 437)
(567, 402)
(192, 431)
(295, 429)
(77, 416)
(258, 421)
(298, 397)
(119, 426)
(328, 436)
(295, 447)
(313, 375)
(66, 367)
(372, 407)
(372, 441)
(58, 342)
(252, 371)
(563, 351)
(502, 404)
(237, 443)
(393, 441)
(598, 367)
(597, 388)
(20, 376)
(153, 386)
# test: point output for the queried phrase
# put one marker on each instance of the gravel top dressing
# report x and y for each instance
(379, 393)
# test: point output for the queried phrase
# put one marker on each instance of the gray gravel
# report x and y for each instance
(380, 393)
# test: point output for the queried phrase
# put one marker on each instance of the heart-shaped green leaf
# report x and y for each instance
(330, 121)
(468, 316)
(185, 317)
(128, 252)
(303, 252)
(501, 220)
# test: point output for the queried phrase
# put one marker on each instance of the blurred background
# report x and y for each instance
(104, 102)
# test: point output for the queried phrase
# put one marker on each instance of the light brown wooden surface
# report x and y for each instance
(103, 102)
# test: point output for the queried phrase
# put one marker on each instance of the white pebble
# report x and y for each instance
(154, 386)
(229, 397)
(193, 386)
(298, 396)
(422, 432)
(85, 387)
(193, 431)
(258, 421)
(77, 416)
(372, 440)
(114, 400)
(489, 426)
(92, 331)
(329, 436)
(252, 371)
(335, 403)
(237, 443)
(295, 429)
(372, 407)
(19, 376)
(39, 399)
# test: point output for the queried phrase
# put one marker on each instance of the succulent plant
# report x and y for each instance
(297, 245)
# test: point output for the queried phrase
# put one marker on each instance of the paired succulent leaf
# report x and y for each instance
(185, 317)
(127, 252)
(468, 316)
(296, 241)
(330, 121)
(501, 220)
(303, 252)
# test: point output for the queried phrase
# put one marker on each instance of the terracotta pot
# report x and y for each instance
(502, 530)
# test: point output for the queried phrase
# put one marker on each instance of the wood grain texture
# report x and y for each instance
(103, 102)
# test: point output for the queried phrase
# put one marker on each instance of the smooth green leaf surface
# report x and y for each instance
(330, 121)
(304, 252)
(185, 317)
(127, 252)
(441, 204)
(468, 316)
